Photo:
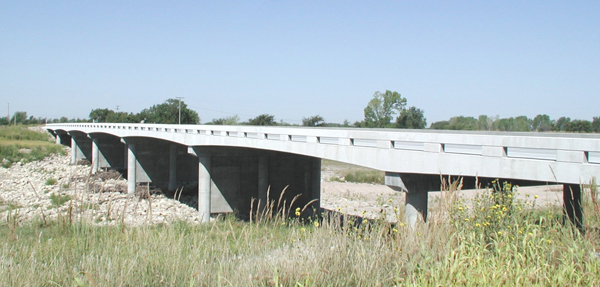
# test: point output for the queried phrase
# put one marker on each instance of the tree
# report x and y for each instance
(314, 121)
(441, 125)
(263, 120)
(100, 115)
(168, 113)
(562, 124)
(596, 125)
(232, 120)
(542, 123)
(579, 126)
(463, 123)
(19, 118)
(110, 116)
(485, 123)
(411, 118)
(381, 109)
(522, 124)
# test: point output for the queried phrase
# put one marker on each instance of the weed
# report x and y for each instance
(51, 181)
(58, 200)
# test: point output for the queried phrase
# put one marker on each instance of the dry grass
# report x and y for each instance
(522, 247)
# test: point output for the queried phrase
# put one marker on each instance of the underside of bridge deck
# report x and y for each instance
(228, 178)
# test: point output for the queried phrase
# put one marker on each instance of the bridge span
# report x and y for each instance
(232, 164)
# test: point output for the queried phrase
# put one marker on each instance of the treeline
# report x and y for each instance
(385, 110)
(20, 118)
(541, 123)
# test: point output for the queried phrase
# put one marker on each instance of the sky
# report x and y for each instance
(296, 59)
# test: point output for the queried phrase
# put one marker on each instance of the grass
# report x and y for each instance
(58, 200)
(51, 181)
(18, 143)
(493, 240)
(353, 173)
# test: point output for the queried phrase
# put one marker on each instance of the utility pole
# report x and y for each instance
(179, 108)
(117, 109)
(8, 115)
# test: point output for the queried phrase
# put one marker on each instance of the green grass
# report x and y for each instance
(353, 173)
(58, 200)
(372, 176)
(519, 246)
(21, 144)
(51, 181)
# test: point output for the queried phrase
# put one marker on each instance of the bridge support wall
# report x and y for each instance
(416, 187)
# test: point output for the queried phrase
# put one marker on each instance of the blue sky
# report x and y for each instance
(295, 59)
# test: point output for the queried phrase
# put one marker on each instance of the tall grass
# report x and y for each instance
(490, 241)
(18, 143)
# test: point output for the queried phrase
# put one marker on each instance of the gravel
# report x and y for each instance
(53, 189)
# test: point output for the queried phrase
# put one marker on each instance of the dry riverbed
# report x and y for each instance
(54, 189)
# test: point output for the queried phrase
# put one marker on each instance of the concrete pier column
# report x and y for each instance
(416, 207)
(204, 185)
(572, 204)
(58, 139)
(95, 156)
(416, 187)
(172, 167)
(263, 182)
(73, 151)
(131, 165)
(315, 185)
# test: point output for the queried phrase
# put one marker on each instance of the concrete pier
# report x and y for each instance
(73, 151)
(131, 168)
(263, 183)
(95, 156)
(572, 204)
(204, 187)
(172, 186)
(416, 187)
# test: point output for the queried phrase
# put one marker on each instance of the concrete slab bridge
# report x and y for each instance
(233, 164)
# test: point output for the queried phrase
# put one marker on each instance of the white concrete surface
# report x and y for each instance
(550, 157)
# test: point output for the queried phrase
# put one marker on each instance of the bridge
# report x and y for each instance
(233, 164)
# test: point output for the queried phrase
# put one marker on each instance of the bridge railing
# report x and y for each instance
(557, 147)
